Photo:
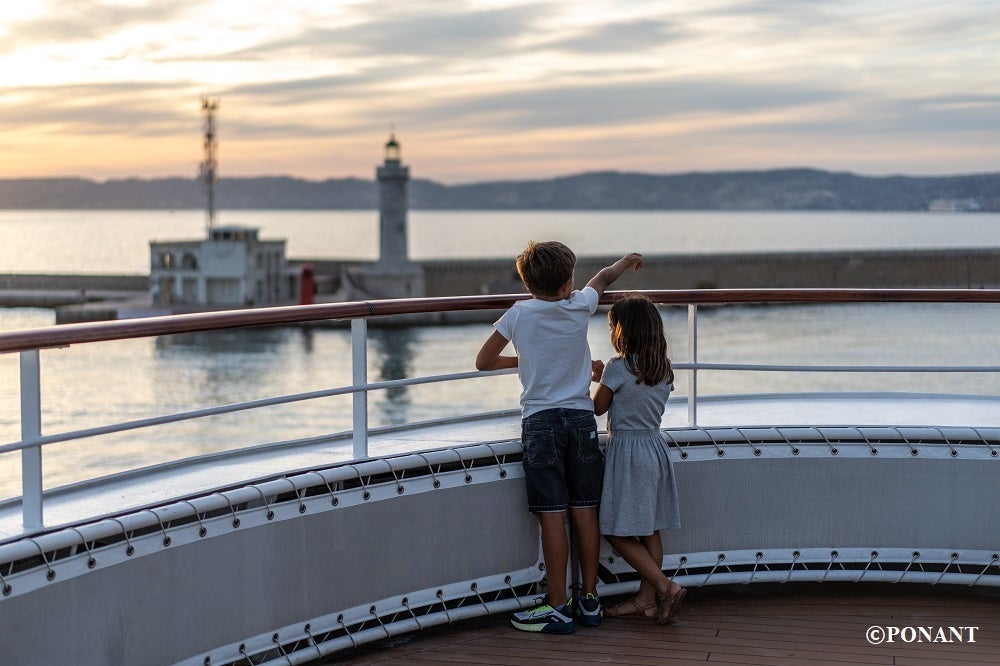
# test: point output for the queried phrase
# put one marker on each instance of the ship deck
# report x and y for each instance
(816, 624)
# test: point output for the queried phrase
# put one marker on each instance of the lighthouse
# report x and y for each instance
(393, 203)
(393, 275)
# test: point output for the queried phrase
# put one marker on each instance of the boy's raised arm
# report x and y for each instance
(607, 275)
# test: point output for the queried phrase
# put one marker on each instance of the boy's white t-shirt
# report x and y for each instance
(550, 338)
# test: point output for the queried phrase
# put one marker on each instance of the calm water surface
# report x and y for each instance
(117, 242)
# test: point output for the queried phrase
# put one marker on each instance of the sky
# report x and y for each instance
(499, 90)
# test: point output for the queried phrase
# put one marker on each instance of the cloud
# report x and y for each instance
(927, 120)
(874, 25)
(113, 108)
(615, 103)
(622, 37)
(414, 32)
(330, 87)
(369, 100)
(928, 116)
(69, 21)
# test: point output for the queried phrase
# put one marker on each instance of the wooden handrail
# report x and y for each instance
(68, 334)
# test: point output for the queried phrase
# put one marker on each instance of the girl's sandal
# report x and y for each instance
(669, 606)
(632, 608)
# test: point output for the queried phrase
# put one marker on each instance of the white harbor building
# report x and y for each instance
(231, 267)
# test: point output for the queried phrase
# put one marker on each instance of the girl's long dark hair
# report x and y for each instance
(637, 336)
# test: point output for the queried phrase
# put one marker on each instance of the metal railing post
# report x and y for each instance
(359, 377)
(693, 359)
(31, 430)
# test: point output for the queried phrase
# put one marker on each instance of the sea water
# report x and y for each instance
(117, 242)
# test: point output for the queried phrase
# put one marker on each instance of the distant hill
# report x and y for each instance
(784, 189)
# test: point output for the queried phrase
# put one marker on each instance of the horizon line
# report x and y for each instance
(509, 180)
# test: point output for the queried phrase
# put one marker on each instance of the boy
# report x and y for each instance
(563, 468)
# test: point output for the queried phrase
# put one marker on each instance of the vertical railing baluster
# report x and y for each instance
(359, 377)
(31, 430)
(693, 359)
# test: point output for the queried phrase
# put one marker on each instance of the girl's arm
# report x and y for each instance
(489, 357)
(602, 399)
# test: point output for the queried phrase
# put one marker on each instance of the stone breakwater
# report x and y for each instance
(914, 269)
(55, 291)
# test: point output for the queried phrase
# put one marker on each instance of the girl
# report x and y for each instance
(639, 495)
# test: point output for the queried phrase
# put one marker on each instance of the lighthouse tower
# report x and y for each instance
(392, 207)
(393, 275)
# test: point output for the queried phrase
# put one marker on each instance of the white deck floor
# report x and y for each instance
(157, 485)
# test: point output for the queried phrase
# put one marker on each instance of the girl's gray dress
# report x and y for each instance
(639, 494)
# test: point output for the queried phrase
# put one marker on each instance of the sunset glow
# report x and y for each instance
(481, 90)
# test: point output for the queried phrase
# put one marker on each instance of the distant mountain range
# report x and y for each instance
(784, 189)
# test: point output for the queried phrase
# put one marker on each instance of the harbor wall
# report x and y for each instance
(63, 291)
(31, 281)
(955, 269)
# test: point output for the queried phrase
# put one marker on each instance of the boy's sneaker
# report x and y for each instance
(545, 619)
(587, 609)
(538, 601)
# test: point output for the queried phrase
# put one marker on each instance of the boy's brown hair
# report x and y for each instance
(545, 266)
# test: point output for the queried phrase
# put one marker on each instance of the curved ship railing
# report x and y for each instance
(295, 566)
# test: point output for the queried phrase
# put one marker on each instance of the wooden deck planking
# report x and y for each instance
(806, 624)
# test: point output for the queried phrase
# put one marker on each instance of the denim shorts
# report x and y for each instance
(563, 466)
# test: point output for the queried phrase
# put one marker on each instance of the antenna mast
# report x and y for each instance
(208, 171)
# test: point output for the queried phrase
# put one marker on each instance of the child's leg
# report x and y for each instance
(637, 553)
(588, 545)
(555, 552)
(645, 554)
(646, 596)
(654, 546)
